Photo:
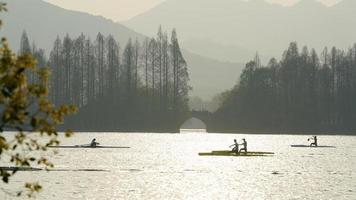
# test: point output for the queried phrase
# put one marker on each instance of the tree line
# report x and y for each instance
(302, 92)
(142, 87)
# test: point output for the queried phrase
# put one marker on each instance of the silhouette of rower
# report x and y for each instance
(236, 146)
(315, 141)
(244, 144)
(94, 143)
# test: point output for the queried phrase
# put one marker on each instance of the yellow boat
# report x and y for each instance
(232, 153)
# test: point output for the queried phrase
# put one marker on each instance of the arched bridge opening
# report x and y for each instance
(198, 121)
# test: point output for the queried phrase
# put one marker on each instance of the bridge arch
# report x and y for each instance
(197, 121)
(193, 124)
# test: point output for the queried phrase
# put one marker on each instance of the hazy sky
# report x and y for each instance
(119, 10)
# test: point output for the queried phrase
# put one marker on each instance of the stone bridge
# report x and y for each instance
(198, 120)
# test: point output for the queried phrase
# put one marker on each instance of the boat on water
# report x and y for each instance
(89, 147)
(232, 153)
(308, 146)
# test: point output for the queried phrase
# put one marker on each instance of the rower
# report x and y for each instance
(94, 143)
(236, 146)
(315, 141)
(244, 143)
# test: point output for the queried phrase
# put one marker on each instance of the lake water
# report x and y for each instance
(167, 166)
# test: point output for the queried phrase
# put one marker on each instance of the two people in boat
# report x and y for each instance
(314, 140)
(236, 146)
(93, 143)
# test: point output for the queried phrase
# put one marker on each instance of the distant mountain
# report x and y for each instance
(210, 77)
(43, 22)
(217, 51)
(254, 24)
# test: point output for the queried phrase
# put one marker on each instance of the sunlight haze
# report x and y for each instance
(121, 10)
(177, 99)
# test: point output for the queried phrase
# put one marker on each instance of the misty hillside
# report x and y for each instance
(254, 24)
(215, 50)
(208, 76)
(43, 22)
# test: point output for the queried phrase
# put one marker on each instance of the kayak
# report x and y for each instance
(231, 153)
(20, 169)
(308, 146)
(54, 170)
(88, 147)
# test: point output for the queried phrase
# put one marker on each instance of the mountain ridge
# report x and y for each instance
(59, 22)
(259, 26)
(64, 22)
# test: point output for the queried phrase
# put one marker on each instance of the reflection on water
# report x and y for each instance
(193, 130)
(193, 123)
(167, 166)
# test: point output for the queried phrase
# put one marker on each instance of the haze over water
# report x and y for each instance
(167, 166)
(272, 66)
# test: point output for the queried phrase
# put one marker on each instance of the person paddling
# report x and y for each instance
(236, 146)
(94, 143)
(315, 141)
(244, 144)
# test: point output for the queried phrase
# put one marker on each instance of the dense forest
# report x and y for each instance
(300, 93)
(144, 87)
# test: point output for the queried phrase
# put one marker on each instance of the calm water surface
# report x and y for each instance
(167, 166)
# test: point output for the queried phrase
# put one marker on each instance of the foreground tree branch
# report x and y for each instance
(26, 110)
